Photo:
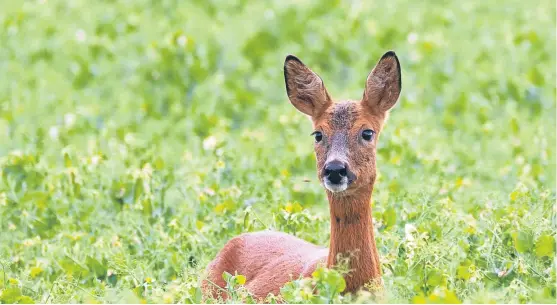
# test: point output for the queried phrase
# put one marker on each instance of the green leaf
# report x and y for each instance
(67, 160)
(522, 241)
(159, 163)
(128, 296)
(246, 221)
(434, 279)
(463, 273)
(71, 266)
(451, 298)
(389, 217)
(198, 295)
(419, 299)
(25, 300)
(94, 265)
(138, 189)
(545, 246)
(10, 295)
(317, 273)
(226, 276)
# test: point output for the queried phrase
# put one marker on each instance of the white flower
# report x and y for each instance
(80, 35)
(69, 119)
(412, 38)
(95, 160)
(408, 230)
(182, 40)
(53, 132)
(210, 143)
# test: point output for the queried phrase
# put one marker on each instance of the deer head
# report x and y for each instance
(345, 131)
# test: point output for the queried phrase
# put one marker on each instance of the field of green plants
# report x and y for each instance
(137, 137)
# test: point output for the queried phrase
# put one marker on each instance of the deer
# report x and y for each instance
(345, 142)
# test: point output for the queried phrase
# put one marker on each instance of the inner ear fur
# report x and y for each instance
(305, 88)
(383, 84)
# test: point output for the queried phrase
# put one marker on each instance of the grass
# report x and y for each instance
(139, 136)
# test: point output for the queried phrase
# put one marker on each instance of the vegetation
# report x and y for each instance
(139, 136)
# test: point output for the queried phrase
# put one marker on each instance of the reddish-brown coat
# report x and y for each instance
(267, 259)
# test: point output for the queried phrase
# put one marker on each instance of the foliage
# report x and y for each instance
(139, 136)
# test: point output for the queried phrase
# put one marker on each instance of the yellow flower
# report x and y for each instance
(220, 164)
(199, 224)
(293, 207)
(36, 271)
(219, 208)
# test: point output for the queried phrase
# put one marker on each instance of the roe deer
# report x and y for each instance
(346, 134)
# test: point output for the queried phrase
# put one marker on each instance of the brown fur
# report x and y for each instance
(270, 259)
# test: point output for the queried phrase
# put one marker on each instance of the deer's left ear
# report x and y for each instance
(383, 84)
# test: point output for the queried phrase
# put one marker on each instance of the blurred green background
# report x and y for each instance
(137, 137)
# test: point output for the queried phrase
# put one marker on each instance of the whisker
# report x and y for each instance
(305, 179)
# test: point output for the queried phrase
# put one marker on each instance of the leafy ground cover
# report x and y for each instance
(137, 137)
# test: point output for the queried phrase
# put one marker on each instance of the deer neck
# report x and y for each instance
(352, 235)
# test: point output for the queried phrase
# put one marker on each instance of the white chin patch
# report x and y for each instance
(335, 188)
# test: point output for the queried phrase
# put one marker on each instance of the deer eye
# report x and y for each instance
(318, 136)
(368, 134)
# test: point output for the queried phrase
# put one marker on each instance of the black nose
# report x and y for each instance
(335, 171)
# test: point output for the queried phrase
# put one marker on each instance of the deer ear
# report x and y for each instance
(305, 89)
(383, 84)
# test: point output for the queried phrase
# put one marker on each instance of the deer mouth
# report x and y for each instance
(337, 187)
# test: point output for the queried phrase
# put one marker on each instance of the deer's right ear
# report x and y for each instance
(305, 89)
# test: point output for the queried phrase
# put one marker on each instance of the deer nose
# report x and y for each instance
(335, 171)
